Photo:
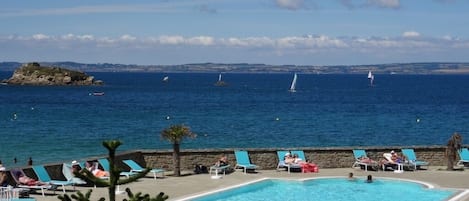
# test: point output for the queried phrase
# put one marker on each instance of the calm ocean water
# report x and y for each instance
(55, 124)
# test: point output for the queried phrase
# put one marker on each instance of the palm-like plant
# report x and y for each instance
(453, 146)
(114, 180)
(175, 134)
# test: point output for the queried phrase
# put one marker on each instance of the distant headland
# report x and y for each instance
(393, 68)
(35, 74)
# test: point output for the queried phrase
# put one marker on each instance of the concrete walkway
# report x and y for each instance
(180, 187)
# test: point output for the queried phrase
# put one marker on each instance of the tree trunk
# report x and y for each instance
(113, 177)
(176, 160)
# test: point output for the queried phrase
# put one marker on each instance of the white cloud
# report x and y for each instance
(127, 37)
(103, 8)
(409, 39)
(251, 48)
(171, 40)
(290, 4)
(410, 34)
(385, 3)
(201, 40)
(40, 37)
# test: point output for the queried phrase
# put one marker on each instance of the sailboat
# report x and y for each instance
(293, 84)
(220, 82)
(165, 79)
(371, 77)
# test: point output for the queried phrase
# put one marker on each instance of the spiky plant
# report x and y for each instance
(113, 182)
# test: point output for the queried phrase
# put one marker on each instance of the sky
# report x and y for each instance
(277, 32)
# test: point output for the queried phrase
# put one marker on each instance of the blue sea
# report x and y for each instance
(63, 123)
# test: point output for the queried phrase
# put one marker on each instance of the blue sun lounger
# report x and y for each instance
(412, 159)
(135, 167)
(282, 164)
(463, 157)
(43, 176)
(243, 161)
(360, 153)
(105, 164)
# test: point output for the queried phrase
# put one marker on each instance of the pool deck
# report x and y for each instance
(180, 187)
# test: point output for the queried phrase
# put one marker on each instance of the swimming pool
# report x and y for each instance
(329, 189)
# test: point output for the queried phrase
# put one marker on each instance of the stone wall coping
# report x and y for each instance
(289, 148)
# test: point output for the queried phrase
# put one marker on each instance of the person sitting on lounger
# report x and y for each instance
(396, 158)
(288, 159)
(223, 161)
(93, 168)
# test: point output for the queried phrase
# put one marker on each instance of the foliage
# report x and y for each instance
(139, 197)
(113, 182)
(453, 146)
(38, 70)
(175, 134)
(79, 196)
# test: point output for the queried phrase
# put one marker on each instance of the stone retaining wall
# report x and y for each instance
(265, 158)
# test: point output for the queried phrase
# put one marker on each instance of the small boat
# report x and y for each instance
(293, 84)
(165, 79)
(371, 77)
(96, 93)
(220, 82)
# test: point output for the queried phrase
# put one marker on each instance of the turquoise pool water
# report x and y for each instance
(331, 189)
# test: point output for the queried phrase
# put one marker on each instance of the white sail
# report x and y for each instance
(371, 77)
(220, 82)
(293, 83)
(165, 78)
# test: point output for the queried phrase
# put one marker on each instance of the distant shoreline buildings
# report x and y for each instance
(394, 68)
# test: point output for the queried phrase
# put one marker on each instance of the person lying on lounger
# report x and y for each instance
(93, 168)
(25, 180)
(365, 159)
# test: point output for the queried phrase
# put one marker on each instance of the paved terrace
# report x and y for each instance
(180, 187)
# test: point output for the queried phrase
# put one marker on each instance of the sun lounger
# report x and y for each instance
(105, 164)
(135, 167)
(67, 172)
(243, 161)
(14, 174)
(397, 166)
(282, 164)
(463, 157)
(361, 159)
(43, 176)
(412, 159)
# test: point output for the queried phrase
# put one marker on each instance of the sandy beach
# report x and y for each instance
(181, 187)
